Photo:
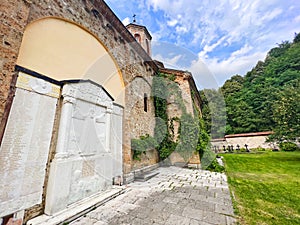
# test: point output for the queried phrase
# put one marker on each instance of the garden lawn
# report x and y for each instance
(265, 187)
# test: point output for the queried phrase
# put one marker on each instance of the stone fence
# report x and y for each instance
(246, 141)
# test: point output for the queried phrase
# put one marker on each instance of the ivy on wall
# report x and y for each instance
(192, 136)
(142, 145)
(163, 87)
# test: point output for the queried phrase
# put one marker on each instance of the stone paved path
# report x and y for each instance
(175, 196)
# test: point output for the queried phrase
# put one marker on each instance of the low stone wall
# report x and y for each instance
(251, 140)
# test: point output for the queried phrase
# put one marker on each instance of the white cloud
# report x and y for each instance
(159, 4)
(168, 62)
(241, 52)
(297, 19)
(272, 14)
(181, 29)
(126, 21)
(230, 35)
(203, 77)
(161, 32)
(215, 25)
(209, 48)
(172, 23)
(238, 19)
(213, 72)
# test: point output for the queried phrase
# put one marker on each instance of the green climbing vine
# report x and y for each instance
(141, 145)
(192, 136)
(160, 93)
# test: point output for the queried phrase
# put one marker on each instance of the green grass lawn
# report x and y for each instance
(265, 187)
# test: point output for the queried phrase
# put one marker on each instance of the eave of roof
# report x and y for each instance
(265, 133)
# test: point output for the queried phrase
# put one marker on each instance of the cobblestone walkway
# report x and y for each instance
(175, 196)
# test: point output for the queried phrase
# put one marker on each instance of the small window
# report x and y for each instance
(145, 102)
(137, 38)
(148, 46)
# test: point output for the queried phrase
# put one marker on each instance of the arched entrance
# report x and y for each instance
(62, 50)
(69, 98)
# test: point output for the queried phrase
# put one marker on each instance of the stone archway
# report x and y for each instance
(63, 50)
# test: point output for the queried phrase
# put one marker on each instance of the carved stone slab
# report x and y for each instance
(25, 146)
(33, 84)
(88, 91)
(84, 160)
(117, 140)
(88, 129)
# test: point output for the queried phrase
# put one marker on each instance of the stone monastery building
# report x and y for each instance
(76, 88)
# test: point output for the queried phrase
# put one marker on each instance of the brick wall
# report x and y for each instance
(14, 16)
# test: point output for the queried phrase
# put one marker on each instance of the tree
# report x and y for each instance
(233, 85)
(297, 38)
(214, 112)
(286, 113)
(252, 99)
(241, 117)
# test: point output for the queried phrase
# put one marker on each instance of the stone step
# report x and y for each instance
(145, 176)
(78, 209)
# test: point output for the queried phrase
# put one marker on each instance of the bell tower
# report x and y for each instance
(141, 34)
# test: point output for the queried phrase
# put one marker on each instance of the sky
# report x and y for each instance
(213, 39)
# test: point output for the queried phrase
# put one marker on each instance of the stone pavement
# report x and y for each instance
(175, 196)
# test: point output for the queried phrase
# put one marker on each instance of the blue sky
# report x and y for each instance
(212, 39)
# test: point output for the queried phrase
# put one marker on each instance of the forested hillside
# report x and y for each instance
(266, 98)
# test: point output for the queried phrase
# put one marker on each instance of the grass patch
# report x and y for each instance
(266, 187)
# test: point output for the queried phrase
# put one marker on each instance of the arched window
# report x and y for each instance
(145, 102)
(137, 38)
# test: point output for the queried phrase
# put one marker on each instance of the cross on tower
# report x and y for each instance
(134, 20)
